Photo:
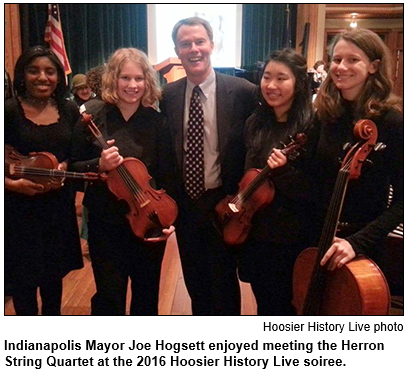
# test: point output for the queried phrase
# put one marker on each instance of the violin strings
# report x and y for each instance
(129, 181)
(245, 194)
(23, 170)
(255, 183)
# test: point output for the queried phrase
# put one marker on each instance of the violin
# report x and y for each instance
(359, 287)
(40, 168)
(256, 191)
(150, 210)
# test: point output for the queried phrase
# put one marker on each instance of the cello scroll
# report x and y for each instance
(366, 131)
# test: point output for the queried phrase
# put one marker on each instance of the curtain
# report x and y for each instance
(265, 28)
(91, 31)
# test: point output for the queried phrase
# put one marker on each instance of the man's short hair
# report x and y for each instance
(192, 21)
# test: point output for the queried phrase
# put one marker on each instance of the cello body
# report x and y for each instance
(358, 288)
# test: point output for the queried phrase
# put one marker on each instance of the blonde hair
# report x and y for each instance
(114, 67)
(377, 94)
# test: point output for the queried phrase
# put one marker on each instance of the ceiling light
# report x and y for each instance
(353, 22)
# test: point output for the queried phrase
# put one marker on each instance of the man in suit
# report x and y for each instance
(208, 265)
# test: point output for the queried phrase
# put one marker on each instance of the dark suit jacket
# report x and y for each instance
(236, 99)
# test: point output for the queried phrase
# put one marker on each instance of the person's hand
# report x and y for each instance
(59, 182)
(167, 232)
(340, 252)
(24, 186)
(110, 158)
(276, 159)
(63, 166)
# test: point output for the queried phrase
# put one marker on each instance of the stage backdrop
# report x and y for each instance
(93, 31)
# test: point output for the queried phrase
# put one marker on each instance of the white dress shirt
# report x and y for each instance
(211, 142)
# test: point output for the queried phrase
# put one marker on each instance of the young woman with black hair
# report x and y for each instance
(280, 230)
(41, 233)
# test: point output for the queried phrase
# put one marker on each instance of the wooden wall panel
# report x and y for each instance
(398, 57)
(12, 36)
(308, 13)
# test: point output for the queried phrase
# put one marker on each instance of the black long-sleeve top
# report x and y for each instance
(144, 136)
(288, 219)
(366, 201)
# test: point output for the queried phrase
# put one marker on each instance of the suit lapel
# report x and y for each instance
(178, 101)
(223, 112)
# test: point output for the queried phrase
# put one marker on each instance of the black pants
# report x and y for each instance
(117, 255)
(25, 299)
(269, 268)
(209, 267)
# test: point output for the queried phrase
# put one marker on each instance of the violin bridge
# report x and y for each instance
(145, 203)
(233, 208)
(11, 169)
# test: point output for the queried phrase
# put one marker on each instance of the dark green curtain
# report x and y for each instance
(91, 31)
(265, 28)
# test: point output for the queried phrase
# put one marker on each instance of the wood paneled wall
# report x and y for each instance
(12, 36)
(310, 13)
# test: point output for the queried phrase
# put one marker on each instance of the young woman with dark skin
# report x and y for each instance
(41, 243)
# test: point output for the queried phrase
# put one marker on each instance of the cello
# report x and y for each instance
(150, 210)
(235, 213)
(40, 168)
(359, 287)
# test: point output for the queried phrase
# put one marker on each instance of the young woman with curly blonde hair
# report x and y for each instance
(132, 128)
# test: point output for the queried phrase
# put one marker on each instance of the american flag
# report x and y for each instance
(55, 37)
